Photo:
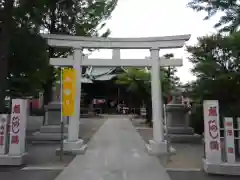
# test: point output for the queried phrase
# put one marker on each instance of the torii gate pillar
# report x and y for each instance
(73, 143)
(158, 145)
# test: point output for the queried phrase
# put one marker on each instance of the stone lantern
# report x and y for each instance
(177, 115)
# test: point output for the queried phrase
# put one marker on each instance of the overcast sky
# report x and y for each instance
(147, 18)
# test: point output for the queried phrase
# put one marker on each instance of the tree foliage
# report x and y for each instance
(6, 19)
(72, 17)
(138, 81)
(230, 10)
(28, 64)
(82, 18)
(24, 65)
(216, 61)
(173, 80)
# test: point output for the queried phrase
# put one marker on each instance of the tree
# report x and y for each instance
(229, 21)
(72, 17)
(173, 80)
(138, 81)
(6, 20)
(216, 61)
(28, 63)
(82, 18)
(26, 59)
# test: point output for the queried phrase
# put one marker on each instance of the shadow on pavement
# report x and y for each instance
(180, 175)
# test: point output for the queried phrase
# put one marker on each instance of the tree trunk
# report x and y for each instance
(149, 112)
(5, 40)
(47, 87)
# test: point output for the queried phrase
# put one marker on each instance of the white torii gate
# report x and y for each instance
(156, 146)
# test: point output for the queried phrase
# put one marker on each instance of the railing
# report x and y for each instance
(236, 144)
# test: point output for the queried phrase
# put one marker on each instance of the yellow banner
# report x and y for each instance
(68, 91)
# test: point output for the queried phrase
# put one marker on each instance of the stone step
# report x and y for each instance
(185, 138)
(38, 136)
(12, 160)
(53, 129)
(180, 130)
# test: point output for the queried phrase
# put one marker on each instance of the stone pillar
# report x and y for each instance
(17, 139)
(3, 133)
(158, 145)
(73, 127)
(73, 143)
(156, 98)
(238, 126)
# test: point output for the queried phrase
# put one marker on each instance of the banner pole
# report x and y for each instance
(62, 123)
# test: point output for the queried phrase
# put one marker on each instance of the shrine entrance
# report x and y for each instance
(156, 146)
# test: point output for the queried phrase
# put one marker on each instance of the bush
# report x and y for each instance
(37, 112)
(196, 119)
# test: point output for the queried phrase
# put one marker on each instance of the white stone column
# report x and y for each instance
(73, 127)
(157, 145)
(156, 89)
(73, 143)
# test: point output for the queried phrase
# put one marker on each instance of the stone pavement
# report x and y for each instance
(116, 152)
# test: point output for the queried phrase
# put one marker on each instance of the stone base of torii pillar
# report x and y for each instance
(75, 147)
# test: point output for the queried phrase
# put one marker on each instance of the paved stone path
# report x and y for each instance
(116, 152)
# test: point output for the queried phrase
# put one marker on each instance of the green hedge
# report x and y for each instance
(37, 112)
(196, 119)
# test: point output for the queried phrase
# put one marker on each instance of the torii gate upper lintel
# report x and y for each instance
(165, 42)
(156, 146)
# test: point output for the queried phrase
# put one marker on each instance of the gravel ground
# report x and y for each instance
(188, 156)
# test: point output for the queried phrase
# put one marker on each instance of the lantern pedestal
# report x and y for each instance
(178, 129)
